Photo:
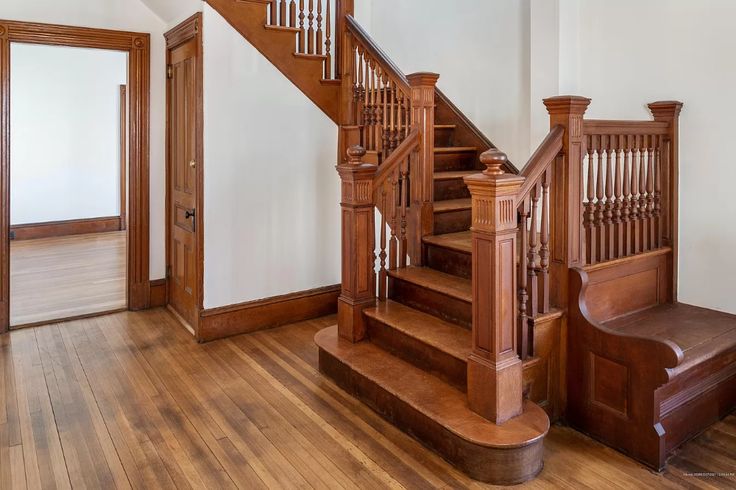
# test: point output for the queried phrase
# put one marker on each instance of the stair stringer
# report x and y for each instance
(278, 45)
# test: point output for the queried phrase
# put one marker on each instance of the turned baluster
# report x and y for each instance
(328, 42)
(319, 40)
(589, 224)
(401, 118)
(523, 331)
(544, 244)
(636, 229)
(386, 130)
(302, 32)
(282, 13)
(382, 273)
(292, 13)
(651, 225)
(532, 255)
(643, 212)
(658, 192)
(626, 214)
(367, 118)
(600, 208)
(619, 199)
(404, 197)
(375, 109)
(310, 31)
(393, 143)
(393, 262)
(273, 13)
(610, 235)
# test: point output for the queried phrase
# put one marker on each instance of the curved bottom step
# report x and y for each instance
(436, 413)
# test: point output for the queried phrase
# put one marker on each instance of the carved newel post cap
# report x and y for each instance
(494, 160)
(356, 154)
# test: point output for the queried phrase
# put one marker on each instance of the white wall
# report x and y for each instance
(65, 148)
(480, 48)
(271, 190)
(128, 15)
(634, 52)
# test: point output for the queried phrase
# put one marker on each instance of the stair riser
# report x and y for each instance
(443, 137)
(450, 189)
(449, 261)
(431, 302)
(507, 466)
(455, 161)
(452, 221)
(446, 367)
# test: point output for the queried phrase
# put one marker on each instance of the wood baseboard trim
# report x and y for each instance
(159, 293)
(217, 323)
(66, 228)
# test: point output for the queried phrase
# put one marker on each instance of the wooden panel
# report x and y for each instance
(66, 228)
(159, 293)
(138, 47)
(609, 384)
(247, 317)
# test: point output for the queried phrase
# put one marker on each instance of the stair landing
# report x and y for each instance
(435, 412)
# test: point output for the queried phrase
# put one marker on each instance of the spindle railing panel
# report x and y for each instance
(622, 170)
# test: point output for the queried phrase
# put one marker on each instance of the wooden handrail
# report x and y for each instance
(541, 160)
(411, 143)
(628, 128)
(377, 53)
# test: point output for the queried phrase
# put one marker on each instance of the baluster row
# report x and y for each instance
(392, 200)
(534, 259)
(622, 200)
(314, 21)
(382, 109)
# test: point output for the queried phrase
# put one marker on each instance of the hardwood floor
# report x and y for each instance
(66, 277)
(130, 400)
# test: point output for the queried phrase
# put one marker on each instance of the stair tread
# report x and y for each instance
(461, 241)
(453, 286)
(320, 57)
(454, 174)
(294, 30)
(453, 205)
(444, 336)
(432, 397)
(445, 126)
(455, 149)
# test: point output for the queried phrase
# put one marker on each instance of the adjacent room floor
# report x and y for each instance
(131, 400)
(67, 277)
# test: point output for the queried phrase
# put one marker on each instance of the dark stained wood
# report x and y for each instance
(123, 155)
(218, 323)
(66, 228)
(159, 293)
(185, 170)
(137, 45)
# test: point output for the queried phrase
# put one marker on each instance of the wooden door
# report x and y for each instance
(183, 256)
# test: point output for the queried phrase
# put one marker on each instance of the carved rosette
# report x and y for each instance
(3, 31)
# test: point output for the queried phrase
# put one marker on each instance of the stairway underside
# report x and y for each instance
(435, 412)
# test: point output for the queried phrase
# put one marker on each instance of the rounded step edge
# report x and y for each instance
(513, 456)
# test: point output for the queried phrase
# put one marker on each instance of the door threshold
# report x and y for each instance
(54, 321)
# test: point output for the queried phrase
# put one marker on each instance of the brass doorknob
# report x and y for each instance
(192, 164)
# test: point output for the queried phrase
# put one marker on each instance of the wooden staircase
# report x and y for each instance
(474, 304)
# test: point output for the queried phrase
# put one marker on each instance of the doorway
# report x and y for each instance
(184, 172)
(128, 191)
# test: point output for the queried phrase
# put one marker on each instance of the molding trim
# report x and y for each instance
(159, 293)
(50, 229)
(217, 323)
(137, 45)
(185, 31)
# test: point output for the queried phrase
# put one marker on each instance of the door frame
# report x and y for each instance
(137, 45)
(189, 29)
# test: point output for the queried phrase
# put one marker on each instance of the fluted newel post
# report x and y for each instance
(566, 223)
(669, 111)
(358, 244)
(494, 368)
(422, 195)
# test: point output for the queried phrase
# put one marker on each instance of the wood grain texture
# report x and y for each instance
(130, 400)
(137, 45)
(52, 229)
(67, 277)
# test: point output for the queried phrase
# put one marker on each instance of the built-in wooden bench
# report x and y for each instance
(645, 374)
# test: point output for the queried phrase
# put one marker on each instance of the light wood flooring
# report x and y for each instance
(130, 400)
(67, 277)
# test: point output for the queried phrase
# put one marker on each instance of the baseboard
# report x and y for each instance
(217, 323)
(158, 293)
(66, 228)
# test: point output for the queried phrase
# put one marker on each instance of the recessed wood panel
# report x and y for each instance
(609, 384)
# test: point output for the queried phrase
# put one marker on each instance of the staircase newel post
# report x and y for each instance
(566, 223)
(669, 111)
(494, 368)
(358, 244)
(422, 195)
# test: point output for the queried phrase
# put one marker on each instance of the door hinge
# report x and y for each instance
(168, 272)
(12, 235)
(169, 71)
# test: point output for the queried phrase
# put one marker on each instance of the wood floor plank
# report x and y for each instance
(130, 400)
